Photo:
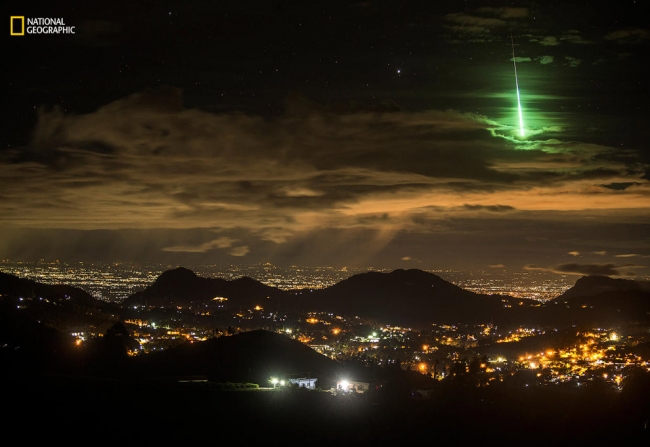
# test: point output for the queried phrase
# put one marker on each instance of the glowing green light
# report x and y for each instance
(521, 116)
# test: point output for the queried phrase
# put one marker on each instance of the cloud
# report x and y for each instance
(573, 36)
(220, 243)
(496, 266)
(240, 251)
(574, 253)
(506, 12)
(619, 186)
(628, 36)
(587, 269)
(479, 25)
(572, 61)
(544, 60)
(474, 21)
(146, 162)
(549, 41)
(490, 208)
(520, 59)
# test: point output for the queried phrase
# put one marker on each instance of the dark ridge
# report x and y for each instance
(61, 307)
(594, 285)
(183, 287)
(410, 298)
(252, 356)
(14, 286)
(413, 298)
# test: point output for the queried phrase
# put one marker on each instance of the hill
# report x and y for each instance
(411, 298)
(595, 285)
(62, 307)
(252, 356)
(600, 300)
(182, 287)
(414, 298)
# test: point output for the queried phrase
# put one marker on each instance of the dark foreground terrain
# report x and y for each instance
(59, 392)
(78, 411)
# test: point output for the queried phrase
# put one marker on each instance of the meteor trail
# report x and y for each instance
(514, 61)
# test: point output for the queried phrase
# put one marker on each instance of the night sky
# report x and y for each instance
(379, 134)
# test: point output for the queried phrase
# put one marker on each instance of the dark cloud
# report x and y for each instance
(619, 186)
(474, 22)
(220, 243)
(505, 12)
(628, 36)
(588, 269)
(574, 36)
(549, 41)
(479, 26)
(572, 61)
(491, 208)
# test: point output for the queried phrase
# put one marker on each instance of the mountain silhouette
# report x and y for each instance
(182, 287)
(600, 300)
(13, 286)
(594, 285)
(61, 307)
(413, 298)
(253, 356)
(409, 298)
(36, 320)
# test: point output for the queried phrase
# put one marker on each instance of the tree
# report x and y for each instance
(110, 352)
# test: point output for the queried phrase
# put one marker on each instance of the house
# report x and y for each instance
(303, 382)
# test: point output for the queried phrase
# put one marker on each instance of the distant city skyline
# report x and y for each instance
(364, 134)
(114, 282)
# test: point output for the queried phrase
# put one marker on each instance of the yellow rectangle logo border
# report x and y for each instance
(22, 27)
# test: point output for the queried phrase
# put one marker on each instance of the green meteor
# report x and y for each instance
(521, 116)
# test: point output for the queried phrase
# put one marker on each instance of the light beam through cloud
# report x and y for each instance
(521, 116)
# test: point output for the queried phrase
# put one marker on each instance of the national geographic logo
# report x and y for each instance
(19, 26)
